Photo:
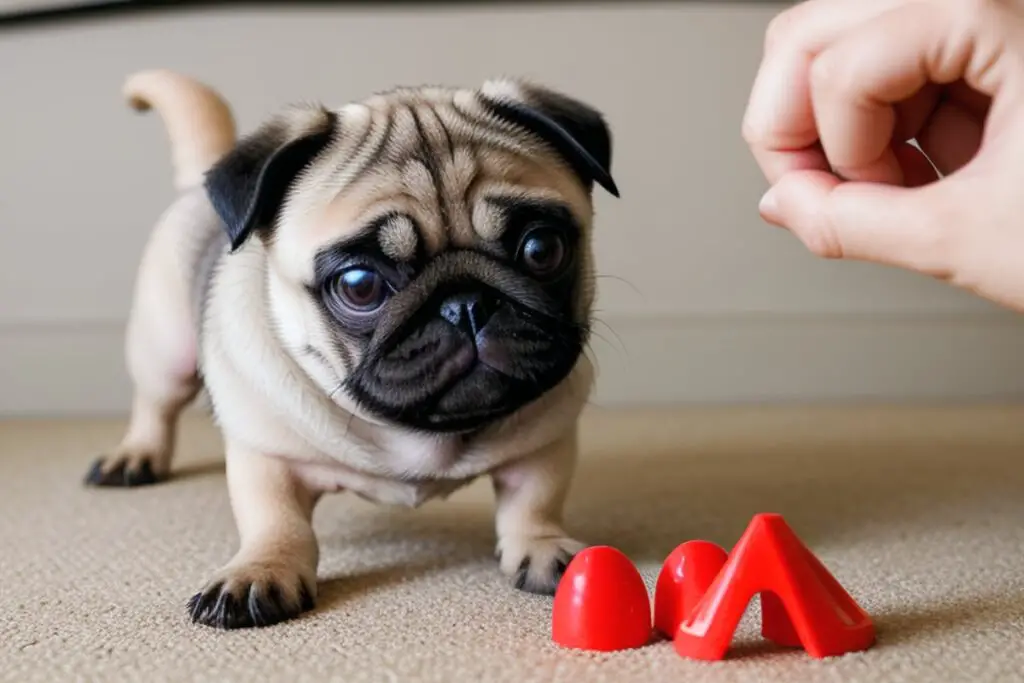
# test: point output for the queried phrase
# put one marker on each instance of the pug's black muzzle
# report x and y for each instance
(470, 356)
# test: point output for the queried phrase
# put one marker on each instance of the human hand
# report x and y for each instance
(844, 85)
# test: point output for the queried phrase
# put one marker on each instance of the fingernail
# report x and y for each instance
(769, 207)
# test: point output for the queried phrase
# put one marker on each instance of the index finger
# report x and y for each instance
(859, 78)
(779, 124)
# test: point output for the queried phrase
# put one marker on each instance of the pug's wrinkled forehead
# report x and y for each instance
(415, 171)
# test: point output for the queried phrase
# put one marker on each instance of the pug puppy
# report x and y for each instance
(391, 298)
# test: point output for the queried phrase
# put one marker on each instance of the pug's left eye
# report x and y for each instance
(543, 252)
(361, 290)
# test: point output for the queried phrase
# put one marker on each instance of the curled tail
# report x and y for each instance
(199, 122)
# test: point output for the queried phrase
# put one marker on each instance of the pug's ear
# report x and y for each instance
(248, 185)
(574, 129)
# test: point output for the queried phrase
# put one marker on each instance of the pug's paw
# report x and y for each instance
(252, 594)
(536, 563)
(127, 469)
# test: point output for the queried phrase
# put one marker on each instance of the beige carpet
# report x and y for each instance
(920, 513)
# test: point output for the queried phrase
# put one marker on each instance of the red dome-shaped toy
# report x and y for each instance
(601, 603)
(684, 579)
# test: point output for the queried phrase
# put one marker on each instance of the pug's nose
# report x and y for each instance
(468, 310)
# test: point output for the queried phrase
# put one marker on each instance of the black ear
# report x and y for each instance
(248, 185)
(575, 130)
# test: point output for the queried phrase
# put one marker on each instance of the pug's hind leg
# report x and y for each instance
(533, 548)
(161, 354)
(144, 455)
(272, 577)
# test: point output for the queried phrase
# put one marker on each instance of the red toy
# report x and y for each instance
(701, 595)
(601, 603)
(801, 602)
(684, 579)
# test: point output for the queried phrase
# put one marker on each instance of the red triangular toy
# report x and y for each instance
(801, 602)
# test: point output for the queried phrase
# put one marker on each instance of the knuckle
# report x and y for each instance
(964, 20)
(785, 28)
(751, 134)
(824, 248)
(825, 240)
(833, 81)
(779, 30)
(969, 9)
(825, 74)
(823, 244)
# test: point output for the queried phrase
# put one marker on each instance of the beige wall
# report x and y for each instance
(701, 301)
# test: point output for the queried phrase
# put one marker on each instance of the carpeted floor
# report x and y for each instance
(918, 512)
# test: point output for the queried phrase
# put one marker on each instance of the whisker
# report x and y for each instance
(599, 336)
(588, 350)
(336, 389)
(348, 425)
(601, 276)
(326, 363)
(621, 344)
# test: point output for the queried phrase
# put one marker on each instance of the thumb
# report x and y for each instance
(885, 224)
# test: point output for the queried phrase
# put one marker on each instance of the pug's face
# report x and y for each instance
(429, 249)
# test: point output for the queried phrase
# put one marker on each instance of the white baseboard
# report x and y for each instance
(78, 369)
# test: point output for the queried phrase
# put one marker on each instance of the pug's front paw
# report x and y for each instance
(536, 563)
(253, 594)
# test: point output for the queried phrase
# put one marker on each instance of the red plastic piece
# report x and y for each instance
(801, 602)
(601, 603)
(685, 577)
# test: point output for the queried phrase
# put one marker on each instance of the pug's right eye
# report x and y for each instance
(361, 290)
